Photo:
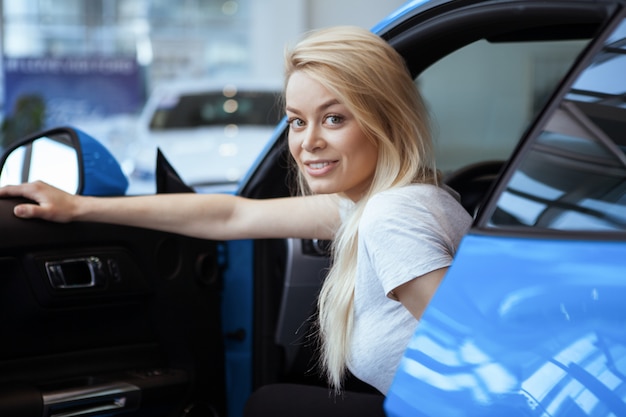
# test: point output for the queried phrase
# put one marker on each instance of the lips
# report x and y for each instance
(319, 168)
(318, 165)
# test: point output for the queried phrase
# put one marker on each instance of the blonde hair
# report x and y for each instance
(371, 79)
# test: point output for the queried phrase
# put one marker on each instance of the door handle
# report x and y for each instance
(75, 273)
(108, 398)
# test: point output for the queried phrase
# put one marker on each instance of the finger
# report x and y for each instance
(26, 211)
(23, 211)
(11, 191)
(26, 190)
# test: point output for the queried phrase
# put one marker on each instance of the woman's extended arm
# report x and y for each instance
(210, 216)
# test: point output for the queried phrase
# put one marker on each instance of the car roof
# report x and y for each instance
(413, 8)
(447, 25)
(410, 8)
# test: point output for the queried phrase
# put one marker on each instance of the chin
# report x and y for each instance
(321, 189)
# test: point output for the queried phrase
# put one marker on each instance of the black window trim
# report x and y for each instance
(480, 225)
(495, 21)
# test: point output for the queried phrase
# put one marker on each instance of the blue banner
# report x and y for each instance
(74, 88)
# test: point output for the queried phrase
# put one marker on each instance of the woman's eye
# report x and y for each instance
(295, 123)
(334, 119)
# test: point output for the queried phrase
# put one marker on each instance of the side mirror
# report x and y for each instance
(66, 158)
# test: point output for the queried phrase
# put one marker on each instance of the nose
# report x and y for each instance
(312, 139)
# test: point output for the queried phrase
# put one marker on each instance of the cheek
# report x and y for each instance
(369, 157)
(294, 147)
(367, 152)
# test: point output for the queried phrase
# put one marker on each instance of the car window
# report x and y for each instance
(483, 96)
(573, 175)
(207, 109)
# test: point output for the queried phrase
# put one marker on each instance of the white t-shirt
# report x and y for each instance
(404, 233)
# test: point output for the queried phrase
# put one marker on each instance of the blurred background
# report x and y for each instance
(94, 64)
(199, 79)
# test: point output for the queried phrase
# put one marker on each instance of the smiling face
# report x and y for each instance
(326, 141)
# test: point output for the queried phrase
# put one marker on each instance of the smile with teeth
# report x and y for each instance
(319, 165)
(319, 168)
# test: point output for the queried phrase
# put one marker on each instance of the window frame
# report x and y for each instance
(481, 224)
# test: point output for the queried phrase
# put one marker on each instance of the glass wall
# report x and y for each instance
(170, 39)
(81, 62)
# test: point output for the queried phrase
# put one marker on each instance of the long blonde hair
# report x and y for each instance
(371, 79)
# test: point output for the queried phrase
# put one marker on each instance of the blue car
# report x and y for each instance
(528, 102)
(530, 319)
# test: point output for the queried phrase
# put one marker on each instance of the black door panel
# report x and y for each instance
(89, 309)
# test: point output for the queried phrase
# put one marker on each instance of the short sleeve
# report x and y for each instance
(406, 235)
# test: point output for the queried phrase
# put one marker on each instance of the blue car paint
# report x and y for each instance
(521, 327)
(103, 175)
(406, 9)
(237, 305)
(237, 315)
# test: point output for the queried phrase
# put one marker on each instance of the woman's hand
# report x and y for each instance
(51, 203)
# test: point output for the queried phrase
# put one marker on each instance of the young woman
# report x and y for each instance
(358, 133)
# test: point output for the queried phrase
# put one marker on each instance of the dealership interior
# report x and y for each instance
(172, 38)
(97, 62)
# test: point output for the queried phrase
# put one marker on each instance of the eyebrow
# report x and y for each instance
(322, 106)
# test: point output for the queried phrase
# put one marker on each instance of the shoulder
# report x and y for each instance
(418, 207)
(413, 198)
(409, 231)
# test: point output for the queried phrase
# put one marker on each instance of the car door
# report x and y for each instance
(105, 320)
(530, 319)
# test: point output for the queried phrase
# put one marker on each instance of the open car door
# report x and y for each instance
(530, 319)
(102, 320)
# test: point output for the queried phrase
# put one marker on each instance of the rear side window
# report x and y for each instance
(573, 175)
(482, 97)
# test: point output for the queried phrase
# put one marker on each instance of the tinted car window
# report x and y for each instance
(573, 175)
(194, 110)
(483, 96)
